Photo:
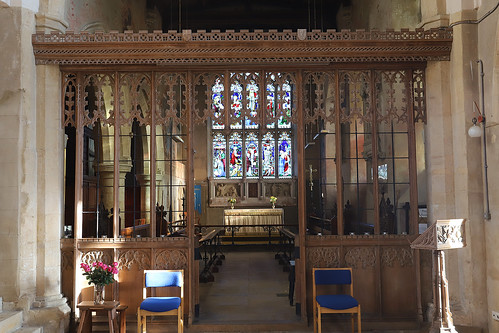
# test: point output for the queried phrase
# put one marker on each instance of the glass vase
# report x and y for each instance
(99, 293)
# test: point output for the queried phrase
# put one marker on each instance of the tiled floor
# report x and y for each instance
(250, 287)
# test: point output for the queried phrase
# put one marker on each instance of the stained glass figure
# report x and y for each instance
(286, 106)
(219, 154)
(236, 89)
(251, 146)
(284, 155)
(236, 161)
(271, 104)
(217, 104)
(268, 156)
(252, 104)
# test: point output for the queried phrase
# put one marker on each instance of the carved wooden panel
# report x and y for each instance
(67, 271)
(384, 275)
(323, 257)
(319, 90)
(419, 97)
(360, 257)
(91, 256)
(67, 259)
(171, 98)
(394, 87)
(133, 259)
(242, 47)
(398, 274)
(69, 99)
(355, 96)
(170, 259)
(98, 99)
(135, 98)
(203, 107)
(396, 256)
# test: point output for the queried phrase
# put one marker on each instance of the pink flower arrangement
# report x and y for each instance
(100, 273)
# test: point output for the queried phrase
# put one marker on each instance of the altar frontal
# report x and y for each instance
(253, 221)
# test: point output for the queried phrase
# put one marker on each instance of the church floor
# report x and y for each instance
(249, 294)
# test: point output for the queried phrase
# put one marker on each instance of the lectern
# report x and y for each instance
(441, 235)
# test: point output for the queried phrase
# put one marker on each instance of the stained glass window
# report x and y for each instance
(252, 106)
(286, 106)
(245, 151)
(217, 104)
(252, 169)
(271, 103)
(237, 104)
(268, 156)
(219, 154)
(235, 158)
(285, 155)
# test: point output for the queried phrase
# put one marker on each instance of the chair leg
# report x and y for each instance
(352, 319)
(358, 321)
(315, 318)
(138, 321)
(319, 324)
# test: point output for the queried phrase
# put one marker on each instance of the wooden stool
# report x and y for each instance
(86, 308)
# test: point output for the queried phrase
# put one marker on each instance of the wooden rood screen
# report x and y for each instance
(337, 114)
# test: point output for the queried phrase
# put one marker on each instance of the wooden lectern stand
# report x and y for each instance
(441, 235)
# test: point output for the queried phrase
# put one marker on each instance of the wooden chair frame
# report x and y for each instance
(319, 310)
(143, 314)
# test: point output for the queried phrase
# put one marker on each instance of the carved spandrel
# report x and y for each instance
(170, 259)
(360, 257)
(90, 257)
(390, 256)
(128, 258)
(323, 257)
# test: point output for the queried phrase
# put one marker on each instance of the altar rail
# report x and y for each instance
(269, 232)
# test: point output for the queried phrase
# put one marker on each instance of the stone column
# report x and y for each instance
(50, 308)
(454, 159)
(18, 193)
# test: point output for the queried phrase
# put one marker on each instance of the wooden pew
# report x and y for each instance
(318, 225)
(213, 256)
(286, 248)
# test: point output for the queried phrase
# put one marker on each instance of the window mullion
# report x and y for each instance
(117, 144)
(152, 158)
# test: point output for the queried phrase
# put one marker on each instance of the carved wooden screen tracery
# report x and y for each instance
(373, 112)
(334, 101)
(120, 161)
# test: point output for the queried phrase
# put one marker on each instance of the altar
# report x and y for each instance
(272, 217)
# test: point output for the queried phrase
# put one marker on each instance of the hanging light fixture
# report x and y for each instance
(475, 131)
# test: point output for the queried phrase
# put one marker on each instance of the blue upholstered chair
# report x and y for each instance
(334, 303)
(161, 306)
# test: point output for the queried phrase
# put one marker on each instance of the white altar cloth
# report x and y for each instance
(260, 216)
